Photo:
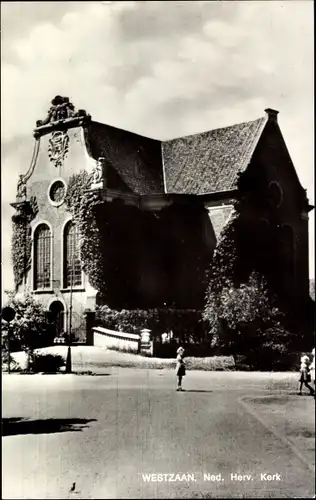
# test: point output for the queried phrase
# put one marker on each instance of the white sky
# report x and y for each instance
(162, 69)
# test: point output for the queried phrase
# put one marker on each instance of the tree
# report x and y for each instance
(245, 320)
(30, 328)
(5, 352)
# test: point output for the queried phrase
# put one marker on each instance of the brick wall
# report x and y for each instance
(272, 164)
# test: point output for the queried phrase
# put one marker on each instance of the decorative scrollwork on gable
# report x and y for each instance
(62, 115)
(58, 147)
(60, 110)
(98, 172)
(21, 188)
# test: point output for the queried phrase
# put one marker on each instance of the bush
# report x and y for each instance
(30, 328)
(199, 349)
(129, 321)
(14, 366)
(268, 356)
(47, 363)
(214, 363)
(245, 320)
(187, 324)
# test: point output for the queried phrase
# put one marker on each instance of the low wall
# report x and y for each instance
(120, 341)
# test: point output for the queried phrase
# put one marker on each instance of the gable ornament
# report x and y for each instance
(60, 110)
(21, 188)
(62, 115)
(58, 147)
(97, 180)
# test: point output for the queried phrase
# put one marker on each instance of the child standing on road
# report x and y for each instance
(305, 375)
(312, 368)
(180, 368)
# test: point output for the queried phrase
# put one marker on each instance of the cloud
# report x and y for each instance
(136, 57)
(162, 69)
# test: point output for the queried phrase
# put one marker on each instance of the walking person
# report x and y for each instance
(305, 375)
(180, 368)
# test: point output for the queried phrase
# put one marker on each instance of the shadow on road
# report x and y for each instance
(92, 374)
(16, 426)
(197, 390)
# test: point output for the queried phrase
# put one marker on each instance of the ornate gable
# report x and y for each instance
(61, 116)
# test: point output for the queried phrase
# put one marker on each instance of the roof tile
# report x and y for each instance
(209, 162)
(196, 164)
(135, 158)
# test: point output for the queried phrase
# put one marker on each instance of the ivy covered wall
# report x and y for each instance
(140, 259)
(21, 245)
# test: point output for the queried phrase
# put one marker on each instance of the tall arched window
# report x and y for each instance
(72, 265)
(42, 257)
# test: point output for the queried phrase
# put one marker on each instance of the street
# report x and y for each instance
(129, 434)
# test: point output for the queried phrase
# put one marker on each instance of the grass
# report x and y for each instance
(85, 358)
(214, 363)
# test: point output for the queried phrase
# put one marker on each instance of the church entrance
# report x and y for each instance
(57, 314)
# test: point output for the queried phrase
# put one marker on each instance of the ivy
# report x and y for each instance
(22, 241)
(231, 263)
(226, 262)
(242, 309)
(83, 203)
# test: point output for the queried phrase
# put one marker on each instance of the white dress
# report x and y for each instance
(312, 371)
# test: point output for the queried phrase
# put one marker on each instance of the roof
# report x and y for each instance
(211, 161)
(198, 164)
(135, 158)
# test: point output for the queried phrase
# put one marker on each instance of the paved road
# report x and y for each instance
(106, 432)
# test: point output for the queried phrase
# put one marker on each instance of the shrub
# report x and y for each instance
(47, 363)
(268, 359)
(187, 325)
(245, 320)
(5, 356)
(30, 328)
(199, 349)
(214, 363)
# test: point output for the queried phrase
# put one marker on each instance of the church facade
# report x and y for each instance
(165, 205)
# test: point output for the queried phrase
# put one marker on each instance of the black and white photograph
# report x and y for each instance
(158, 247)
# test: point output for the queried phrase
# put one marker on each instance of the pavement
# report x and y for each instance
(228, 435)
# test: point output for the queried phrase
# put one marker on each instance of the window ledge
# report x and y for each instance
(43, 290)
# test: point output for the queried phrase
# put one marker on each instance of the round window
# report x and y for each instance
(57, 192)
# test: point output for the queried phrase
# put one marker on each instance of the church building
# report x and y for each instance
(165, 204)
